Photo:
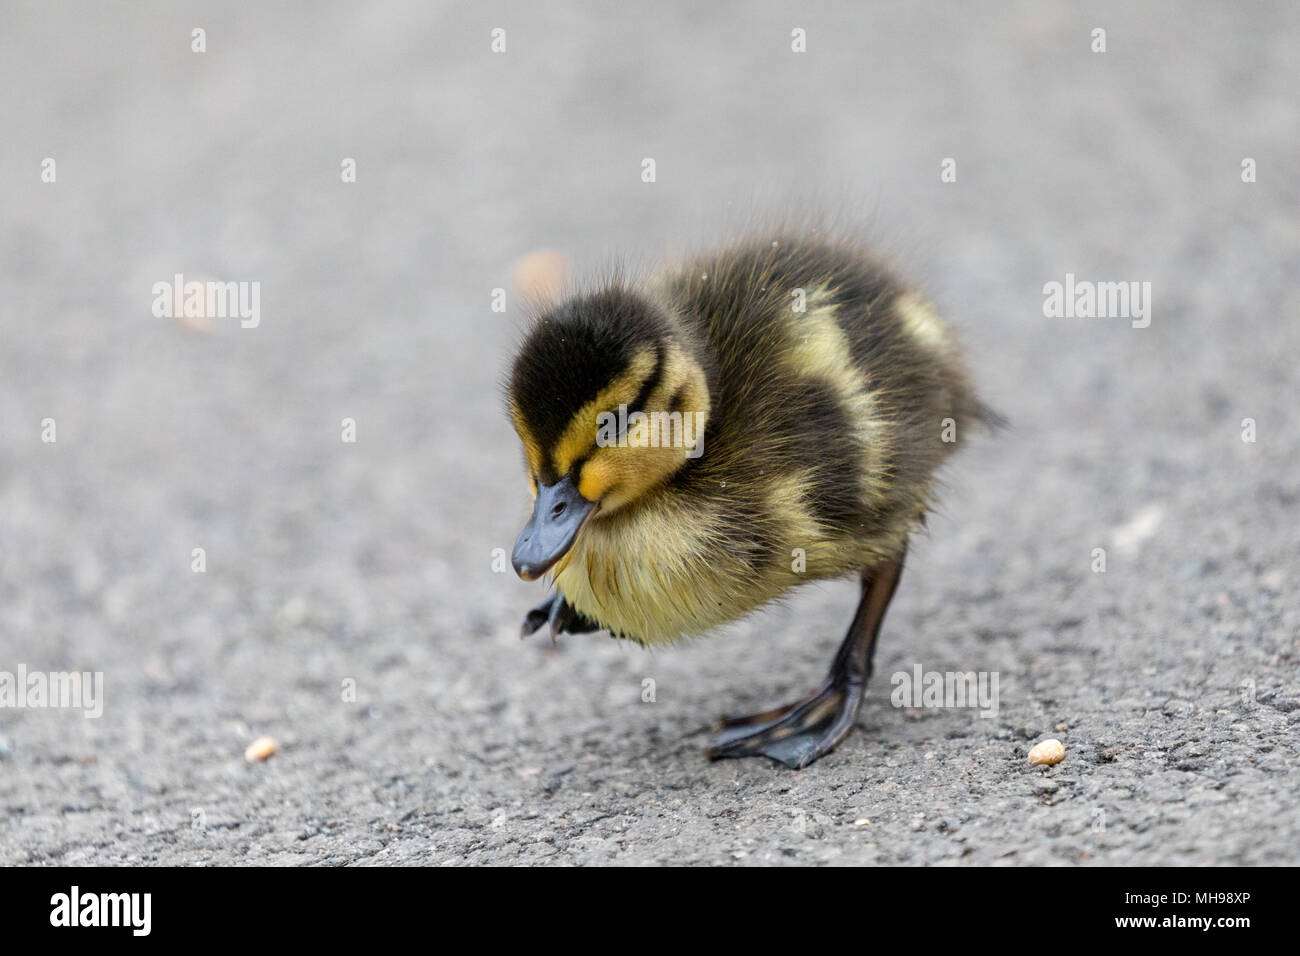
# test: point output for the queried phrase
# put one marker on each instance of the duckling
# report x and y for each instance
(703, 441)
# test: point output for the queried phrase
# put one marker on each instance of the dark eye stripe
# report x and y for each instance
(649, 385)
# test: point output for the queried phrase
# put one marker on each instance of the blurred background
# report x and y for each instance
(372, 562)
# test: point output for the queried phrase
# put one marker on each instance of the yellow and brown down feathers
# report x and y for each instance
(829, 393)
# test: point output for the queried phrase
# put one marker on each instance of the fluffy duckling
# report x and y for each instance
(759, 417)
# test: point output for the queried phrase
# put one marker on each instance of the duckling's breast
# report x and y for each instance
(687, 563)
(652, 572)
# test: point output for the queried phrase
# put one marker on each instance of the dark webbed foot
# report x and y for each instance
(561, 616)
(799, 733)
(796, 734)
(769, 716)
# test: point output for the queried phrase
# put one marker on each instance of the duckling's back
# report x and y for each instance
(831, 380)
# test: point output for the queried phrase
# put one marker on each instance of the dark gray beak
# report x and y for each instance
(559, 513)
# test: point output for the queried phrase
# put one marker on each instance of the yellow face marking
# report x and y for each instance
(618, 475)
(597, 476)
(532, 450)
(681, 374)
(580, 435)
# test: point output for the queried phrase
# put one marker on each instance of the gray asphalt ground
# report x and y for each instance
(1171, 677)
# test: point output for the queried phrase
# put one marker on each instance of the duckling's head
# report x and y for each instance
(609, 397)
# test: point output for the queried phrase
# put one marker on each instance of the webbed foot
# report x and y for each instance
(796, 734)
(561, 616)
(799, 733)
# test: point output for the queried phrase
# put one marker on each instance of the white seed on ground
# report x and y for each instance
(259, 750)
(1047, 752)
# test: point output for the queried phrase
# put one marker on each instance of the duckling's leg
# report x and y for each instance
(561, 615)
(799, 733)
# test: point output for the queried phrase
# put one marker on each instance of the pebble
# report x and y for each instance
(1048, 752)
(259, 750)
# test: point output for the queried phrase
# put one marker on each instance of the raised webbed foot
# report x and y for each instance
(559, 613)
